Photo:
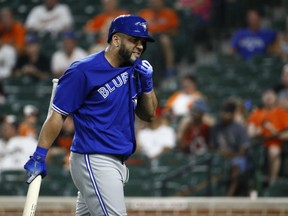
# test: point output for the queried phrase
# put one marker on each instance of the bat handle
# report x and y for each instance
(32, 197)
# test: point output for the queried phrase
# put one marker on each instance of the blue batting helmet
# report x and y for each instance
(131, 25)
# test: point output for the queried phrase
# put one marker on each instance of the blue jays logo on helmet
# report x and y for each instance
(132, 25)
(143, 24)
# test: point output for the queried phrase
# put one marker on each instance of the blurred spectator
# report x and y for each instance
(230, 139)
(98, 25)
(100, 43)
(282, 46)
(283, 86)
(11, 31)
(50, 17)
(163, 22)
(197, 19)
(181, 101)
(253, 40)
(70, 52)
(157, 138)
(28, 125)
(32, 62)
(14, 149)
(242, 109)
(258, 115)
(8, 58)
(193, 133)
(199, 8)
(274, 132)
(262, 124)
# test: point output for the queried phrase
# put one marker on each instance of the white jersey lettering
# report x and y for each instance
(124, 77)
(111, 89)
(112, 85)
(103, 91)
(120, 82)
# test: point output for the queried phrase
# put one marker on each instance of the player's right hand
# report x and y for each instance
(36, 164)
(145, 71)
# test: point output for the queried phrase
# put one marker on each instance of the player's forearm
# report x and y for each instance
(146, 106)
(50, 130)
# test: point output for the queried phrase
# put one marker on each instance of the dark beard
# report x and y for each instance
(125, 56)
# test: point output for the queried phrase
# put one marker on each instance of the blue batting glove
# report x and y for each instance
(145, 71)
(36, 164)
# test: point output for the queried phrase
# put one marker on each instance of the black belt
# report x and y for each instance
(121, 158)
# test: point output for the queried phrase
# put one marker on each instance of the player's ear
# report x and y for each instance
(116, 40)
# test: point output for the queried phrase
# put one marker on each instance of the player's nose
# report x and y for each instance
(139, 44)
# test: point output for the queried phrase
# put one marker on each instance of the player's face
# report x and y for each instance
(131, 48)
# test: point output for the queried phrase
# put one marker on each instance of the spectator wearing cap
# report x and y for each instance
(14, 149)
(193, 131)
(67, 54)
(50, 17)
(156, 138)
(12, 32)
(230, 139)
(28, 125)
(33, 62)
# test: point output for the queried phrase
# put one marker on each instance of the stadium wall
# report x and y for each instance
(65, 206)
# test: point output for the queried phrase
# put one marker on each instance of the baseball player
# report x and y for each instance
(102, 92)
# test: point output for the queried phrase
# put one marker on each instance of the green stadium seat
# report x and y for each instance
(13, 182)
(139, 187)
(278, 189)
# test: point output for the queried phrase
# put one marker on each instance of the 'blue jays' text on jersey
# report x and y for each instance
(102, 101)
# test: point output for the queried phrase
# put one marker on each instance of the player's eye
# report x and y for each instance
(136, 40)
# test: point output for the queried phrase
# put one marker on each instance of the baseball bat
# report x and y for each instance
(34, 186)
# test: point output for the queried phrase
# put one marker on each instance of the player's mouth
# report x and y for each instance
(137, 54)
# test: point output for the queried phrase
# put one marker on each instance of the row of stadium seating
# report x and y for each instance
(185, 175)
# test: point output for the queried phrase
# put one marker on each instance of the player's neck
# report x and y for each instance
(111, 57)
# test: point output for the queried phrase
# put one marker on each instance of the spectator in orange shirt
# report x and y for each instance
(163, 22)
(11, 30)
(268, 123)
(28, 125)
(110, 10)
(258, 115)
(277, 124)
(181, 102)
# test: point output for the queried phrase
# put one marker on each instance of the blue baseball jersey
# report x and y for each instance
(102, 101)
(249, 43)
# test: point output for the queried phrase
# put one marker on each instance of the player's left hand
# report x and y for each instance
(145, 71)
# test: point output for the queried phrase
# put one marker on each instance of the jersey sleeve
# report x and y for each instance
(71, 92)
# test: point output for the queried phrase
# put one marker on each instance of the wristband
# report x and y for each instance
(147, 85)
(40, 153)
